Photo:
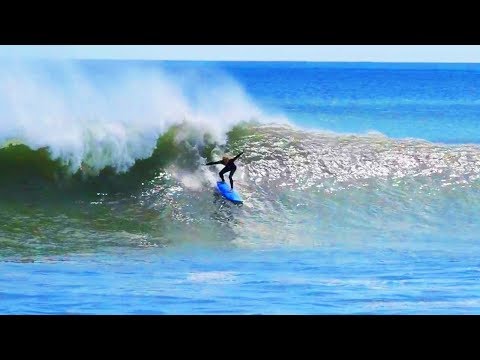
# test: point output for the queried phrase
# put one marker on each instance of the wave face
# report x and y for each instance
(117, 160)
(318, 188)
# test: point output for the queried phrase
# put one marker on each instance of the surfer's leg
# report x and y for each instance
(223, 171)
(231, 176)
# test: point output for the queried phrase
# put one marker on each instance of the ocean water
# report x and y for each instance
(360, 183)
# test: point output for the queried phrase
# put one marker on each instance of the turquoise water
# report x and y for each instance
(360, 185)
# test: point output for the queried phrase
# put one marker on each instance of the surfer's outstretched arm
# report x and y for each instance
(236, 157)
(214, 162)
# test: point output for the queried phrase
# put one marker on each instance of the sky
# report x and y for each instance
(348, 53)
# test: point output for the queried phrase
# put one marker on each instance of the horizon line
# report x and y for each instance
(238, 60)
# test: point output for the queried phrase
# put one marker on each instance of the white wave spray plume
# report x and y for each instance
(84, 117)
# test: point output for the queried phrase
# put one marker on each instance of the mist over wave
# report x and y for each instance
(101, 121)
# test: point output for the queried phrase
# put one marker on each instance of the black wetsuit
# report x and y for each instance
(230, 166)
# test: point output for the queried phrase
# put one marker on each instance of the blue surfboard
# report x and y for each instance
(229, 194)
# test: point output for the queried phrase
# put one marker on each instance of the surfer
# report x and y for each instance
(229, 166)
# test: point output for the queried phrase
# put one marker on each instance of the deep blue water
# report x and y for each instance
(440, 105)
